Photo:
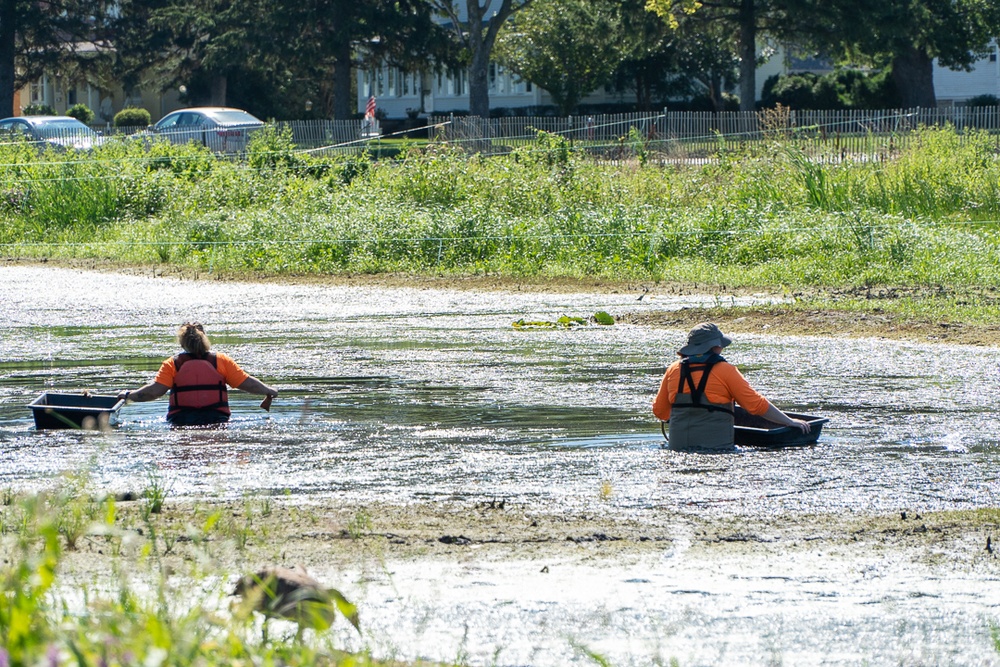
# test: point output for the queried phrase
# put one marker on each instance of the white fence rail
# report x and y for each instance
(681, 136)
(666, 136)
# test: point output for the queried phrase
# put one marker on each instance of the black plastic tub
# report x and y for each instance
(86, 411)
(753, 431)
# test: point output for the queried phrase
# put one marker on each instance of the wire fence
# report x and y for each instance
(663, 137)
(700, 136)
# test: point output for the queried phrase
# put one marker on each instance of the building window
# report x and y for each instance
(500, 80)
(37, 92)
(456, 83)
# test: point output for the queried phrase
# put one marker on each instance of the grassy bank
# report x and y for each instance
(89, 580)
(766, 217)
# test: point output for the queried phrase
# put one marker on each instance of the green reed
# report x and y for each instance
(147, 593)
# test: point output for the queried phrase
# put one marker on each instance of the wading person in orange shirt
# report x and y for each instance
(697, 394)
(197, 379)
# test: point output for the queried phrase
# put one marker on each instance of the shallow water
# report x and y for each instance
(420, 394)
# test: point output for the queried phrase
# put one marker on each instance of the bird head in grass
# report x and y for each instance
(293, 595)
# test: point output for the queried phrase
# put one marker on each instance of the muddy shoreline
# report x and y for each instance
(331, 538)
(321, 534)
(792, 319)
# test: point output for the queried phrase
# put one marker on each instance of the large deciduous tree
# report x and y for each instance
(692, 58)
(907, 35)
(745, 20)
(568, 47)
(340, 36)
(478, 35)
(39, 36)
(169, 43)
(292, 48)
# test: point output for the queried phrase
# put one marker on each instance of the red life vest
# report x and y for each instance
(198, 385)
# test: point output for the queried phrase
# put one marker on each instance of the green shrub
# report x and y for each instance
(839, 89)
(271, 148)
(38, 110)
(82, 113)
(791, 90)
(132, 117)
(983, 101)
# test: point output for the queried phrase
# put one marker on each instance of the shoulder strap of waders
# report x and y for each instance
(697, 393)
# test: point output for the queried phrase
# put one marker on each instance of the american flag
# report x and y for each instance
(370, 109)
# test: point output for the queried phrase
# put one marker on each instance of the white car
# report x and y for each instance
(57, 131)
(221, 129)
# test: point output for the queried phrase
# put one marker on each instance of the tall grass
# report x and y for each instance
(133, 604)
(765, 216)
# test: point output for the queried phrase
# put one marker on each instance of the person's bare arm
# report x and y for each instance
(150, 392)
(254, 386)
(778, 417)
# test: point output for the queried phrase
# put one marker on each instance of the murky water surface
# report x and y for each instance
(419, 394)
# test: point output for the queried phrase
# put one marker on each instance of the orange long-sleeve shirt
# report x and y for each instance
(725, 384)
(228, 368)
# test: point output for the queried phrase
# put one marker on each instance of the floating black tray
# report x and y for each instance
(753, 431)
(87, 411)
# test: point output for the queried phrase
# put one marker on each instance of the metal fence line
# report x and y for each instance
(679, 136)
(362, 240)
(663, 136)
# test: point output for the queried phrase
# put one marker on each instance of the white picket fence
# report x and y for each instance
(685, 136)
(665, 136)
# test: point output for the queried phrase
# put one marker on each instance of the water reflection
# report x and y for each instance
(399, 392)
(419, 394)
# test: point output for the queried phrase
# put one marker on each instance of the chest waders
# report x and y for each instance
(694, 422)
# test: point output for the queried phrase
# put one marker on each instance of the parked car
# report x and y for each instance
(221, 129)
(58, 131)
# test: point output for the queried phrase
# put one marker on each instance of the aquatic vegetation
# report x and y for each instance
(565, 322)
(359, 524)
(155, 492)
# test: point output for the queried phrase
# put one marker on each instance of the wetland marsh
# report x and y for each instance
(489, 495)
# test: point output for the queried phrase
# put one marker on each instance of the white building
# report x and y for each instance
(399, 94)
(954, 88)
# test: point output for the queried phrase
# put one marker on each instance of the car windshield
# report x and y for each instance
(53, 129)
(233, 118)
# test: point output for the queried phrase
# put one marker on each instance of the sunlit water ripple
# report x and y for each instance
(403, 395)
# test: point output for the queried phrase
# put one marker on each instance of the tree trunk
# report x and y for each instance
(343, 108)
(643, 92)
(748, 56)
(913, 74)
(219, 84)
(479, 91)
(715, 92)
(7, 16)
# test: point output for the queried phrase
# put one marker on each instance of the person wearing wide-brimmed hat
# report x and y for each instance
(698, 393)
